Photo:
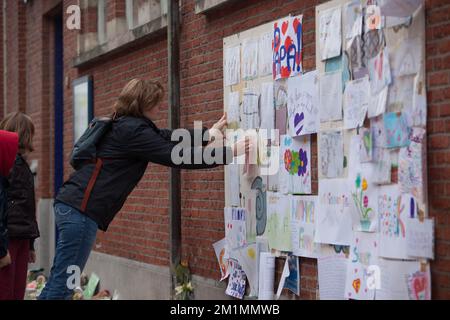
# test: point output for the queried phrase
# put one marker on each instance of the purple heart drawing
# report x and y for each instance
(297, 120)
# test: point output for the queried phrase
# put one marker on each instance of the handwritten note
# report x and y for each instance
(420, 238)
(303, 104)
(331, 96)
(330, 33)
(232, 65)
(356, 103)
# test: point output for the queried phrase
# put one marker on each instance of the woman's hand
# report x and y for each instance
(217, 130)
(32, 256)
(5, 261)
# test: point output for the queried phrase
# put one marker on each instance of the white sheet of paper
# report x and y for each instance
(235, 227)
(332, 270)
(284, 275)
(356, 103)
(383, 165)
(249, 59)
(399, 8)
(330, 33)
(362, 266)
(406, 57)
(267, 107)
(403, 280)
(266, 276)
(278, 228)
(232, 171)
(303, 104)
(377, 103)
(334, 216)
(232, 65)
(303, 219)
(233, 110)
(331, 154)
(379, 72)
(354, 19)
(250, 111)
(330, 96)
(265, 54)
(401, 93)
(221, 250)
(420, 238)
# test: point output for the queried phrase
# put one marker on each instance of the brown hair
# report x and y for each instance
(23, 125)
(138, 96)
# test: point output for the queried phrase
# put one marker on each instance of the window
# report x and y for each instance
(140, 12)
(101, 21)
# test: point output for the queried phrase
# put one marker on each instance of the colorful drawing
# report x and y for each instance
(303, 211)
(303, 104)
(235, 227)
(365, 145)
(331, 154)
(260, 205)
(419, 286)
(220, 248)
(411, 166)
(295, 172)
(373, 17)
(237, 280)
(378, 132)
(363, 190)
(397, 130)
(330, 38)
(293, 281)
(247, 259)
(287, 47)
(278, 230)
(393, 210)
(360, 268)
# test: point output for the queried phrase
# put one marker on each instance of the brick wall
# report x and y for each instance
(140, 230)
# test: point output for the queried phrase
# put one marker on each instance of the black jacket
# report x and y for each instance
(21, 207)
(127, 148)
(3, 229)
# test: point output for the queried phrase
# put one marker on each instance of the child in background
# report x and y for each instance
(21, 211)
(8, 149)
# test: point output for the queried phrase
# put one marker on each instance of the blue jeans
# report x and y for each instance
(76, 237)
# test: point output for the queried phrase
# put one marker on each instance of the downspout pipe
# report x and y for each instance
(173, 51)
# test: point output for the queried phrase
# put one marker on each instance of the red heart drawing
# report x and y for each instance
(296, 23)
(284, 27)
(356, 285)
(419, 286)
